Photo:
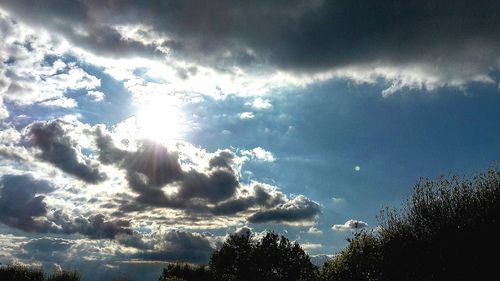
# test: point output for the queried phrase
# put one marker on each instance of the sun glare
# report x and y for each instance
(160, 120)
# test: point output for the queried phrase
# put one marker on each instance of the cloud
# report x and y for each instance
(319, 260)
(96, 95)
(260, 104)
(41, 248)
(243, 231)
(60, 102)
(152, 166)
(259, 154)
(95, 227)
(350, 225)
(310, 246)
(213, 188)
(314, 230)
(414, 45)
(222, 159)
(22, 206)
(9, 136)
(338, 203)
(247, 115)
(259, 195)
(58, 148)
(176, 245)
(298, 210)
(32, 67)
(4, 113)
(21, 202)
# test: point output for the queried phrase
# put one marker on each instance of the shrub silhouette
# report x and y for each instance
(62, 275)
(18, 272)
(185, 272)
(360, 260)
(445, 231)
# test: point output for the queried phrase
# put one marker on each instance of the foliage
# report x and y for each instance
(360, 260)
(271, 258)
(185, 272)
(62, 275)
(18, 272)
(446, 231)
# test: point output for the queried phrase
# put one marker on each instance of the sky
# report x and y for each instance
(134, 133)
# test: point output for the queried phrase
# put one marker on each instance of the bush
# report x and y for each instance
(62, 275)
(18, 272)
(445, 231)
(360, 260)
(185, 272)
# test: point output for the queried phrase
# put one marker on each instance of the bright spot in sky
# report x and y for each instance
(161, 120)
(357, 168)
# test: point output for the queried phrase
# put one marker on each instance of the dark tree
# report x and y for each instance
(359, 261)
(271, 258)
(446, 231)
(234, 260)
(18, 272)
(186, 272)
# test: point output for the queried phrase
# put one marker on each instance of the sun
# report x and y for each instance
(160, 120)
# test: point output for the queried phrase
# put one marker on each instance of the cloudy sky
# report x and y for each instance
(134, 134)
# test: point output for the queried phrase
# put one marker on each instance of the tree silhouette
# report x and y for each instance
(271, 258)
(446, 231)
(185, 272)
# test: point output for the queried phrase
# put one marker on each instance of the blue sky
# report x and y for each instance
(143, 134)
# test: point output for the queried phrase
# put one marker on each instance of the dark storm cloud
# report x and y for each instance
(46, 249)
(75, 20)
(178, 245)
(21, 203)
(58, 148)
(152, 166)
(213, 192)
(296, 210)
(22, 206)
(96, 226)
(153, 160)
(42, 247)
(297, 35)
(223, 159)
(214, 187)
(261, 197)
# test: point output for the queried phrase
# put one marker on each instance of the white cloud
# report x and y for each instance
(96, 95)
(247, 115)
(314, 230)
(350, 225)
(260, 104)
(310, 246)
(338, 203)
(9, 135)
(27, 77)
(60, 102)
(259, 154)
(3, 110)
